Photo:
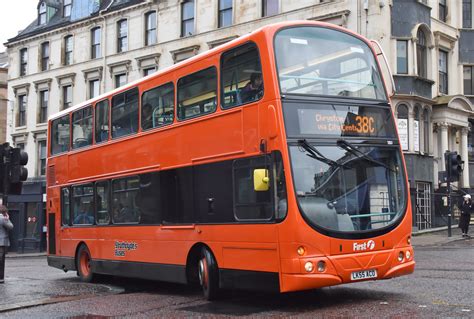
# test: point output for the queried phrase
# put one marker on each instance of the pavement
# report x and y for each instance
(433, 236)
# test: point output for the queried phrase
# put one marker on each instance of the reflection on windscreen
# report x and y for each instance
(313, 60)
(345, 189)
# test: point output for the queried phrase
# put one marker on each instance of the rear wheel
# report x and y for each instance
(208, 274)
(83, 260)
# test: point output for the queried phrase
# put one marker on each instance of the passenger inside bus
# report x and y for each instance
(254, 88)
(84, 215)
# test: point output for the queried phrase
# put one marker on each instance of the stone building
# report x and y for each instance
(3, 96)
(78, 49)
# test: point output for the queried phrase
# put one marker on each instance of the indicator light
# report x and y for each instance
(409, 240)
(401, 255)
(408, 254)
(301, 251)
(321, 266)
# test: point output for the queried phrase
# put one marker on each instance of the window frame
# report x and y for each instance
(401, 70)
(422, 54)
(190, 19)
(265, 12)
(443, 75)
(67, 8)
(466, 14)
(69, 223)
(91, 88)
(72, 197)
(42, 160)
(221, 64)
(42, 13)
(68, 50)
(222, 11)
(121, 37)
(43, 106)
(66, 91)
(83, 118)
(151, 32)
(112, 123)
(45, 52)
(112, 192)
(23, 61)
(179, 119)
(442, 10)
(96, 195)
(96, 41)
(471, 80)
(22, 101)
(52, 138)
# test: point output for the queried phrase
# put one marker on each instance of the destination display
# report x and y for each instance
(340, 121)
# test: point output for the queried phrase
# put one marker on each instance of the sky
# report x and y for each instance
(15, 15)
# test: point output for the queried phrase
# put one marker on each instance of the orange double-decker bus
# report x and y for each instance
(271, 162)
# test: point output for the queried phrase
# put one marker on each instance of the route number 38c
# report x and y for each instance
(365, 124)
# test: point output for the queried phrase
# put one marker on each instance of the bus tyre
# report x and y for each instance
(83, 260)
(208, 274)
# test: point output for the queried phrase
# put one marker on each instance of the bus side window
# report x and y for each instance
(124, 200)
(197, 94)
(82, 127)
(242, 80)
(60, 135)
(102, 202)
(102, 121)
(83, 205)
(157, 107)
(65, 207)
(248, 203)
(125, 113)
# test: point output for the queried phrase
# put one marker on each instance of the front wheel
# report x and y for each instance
(208, 274)
(83, 260)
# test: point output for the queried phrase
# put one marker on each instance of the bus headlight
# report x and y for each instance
(321, 266)
(308, 266)
(408, 254)
(401, 255)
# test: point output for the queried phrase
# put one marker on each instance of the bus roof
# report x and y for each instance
(268, 29)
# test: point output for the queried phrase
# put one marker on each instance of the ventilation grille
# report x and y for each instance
(51, 175)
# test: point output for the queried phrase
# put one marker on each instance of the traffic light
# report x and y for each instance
(454, 165)
(18, 173)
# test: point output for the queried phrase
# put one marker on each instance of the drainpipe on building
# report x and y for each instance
(104, 63)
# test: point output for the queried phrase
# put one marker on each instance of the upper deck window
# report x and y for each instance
(322, 61)
(60, 135)
(197, 94)
(102, 121)
(82, 128)
(158, 106)
(242, 80)
(125, 113)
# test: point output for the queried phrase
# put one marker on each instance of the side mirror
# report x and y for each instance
(261, 181)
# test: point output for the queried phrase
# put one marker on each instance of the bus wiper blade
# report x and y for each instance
(354, 150)
(317, 155)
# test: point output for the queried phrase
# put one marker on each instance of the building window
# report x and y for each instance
(21, 110)
(468, 82)
(42, 13)
(416, 129)
(443, 10)
(402, 123)
(44, 56)
(187, 18)
(426, 131)
(68, 46)
(67, 96)
(23, 61)
(269, 8)
(467, 13)
(122, 33)
(94, 89)
(150, 28)
(42, 158)
(421, 54)
(148, 71)
(44, 101)
(402, 56)
(443, 72)
(120, 80)
(225, 13)
(95, 43)
(67, 8)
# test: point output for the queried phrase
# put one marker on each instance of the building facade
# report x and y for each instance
(78, 49)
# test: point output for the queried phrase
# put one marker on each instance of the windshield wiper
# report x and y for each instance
(354, 150)
(317, 155)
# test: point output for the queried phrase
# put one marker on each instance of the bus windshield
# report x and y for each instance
(347, 187)
(321, 61)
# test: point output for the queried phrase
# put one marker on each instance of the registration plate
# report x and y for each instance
(364, 274)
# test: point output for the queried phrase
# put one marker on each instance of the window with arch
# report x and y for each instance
(150, 28)
(421, 54)
(402, 123)
(426, 131)
(42, 13)
(416, 128)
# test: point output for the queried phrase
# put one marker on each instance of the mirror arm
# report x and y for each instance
(382, 53)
